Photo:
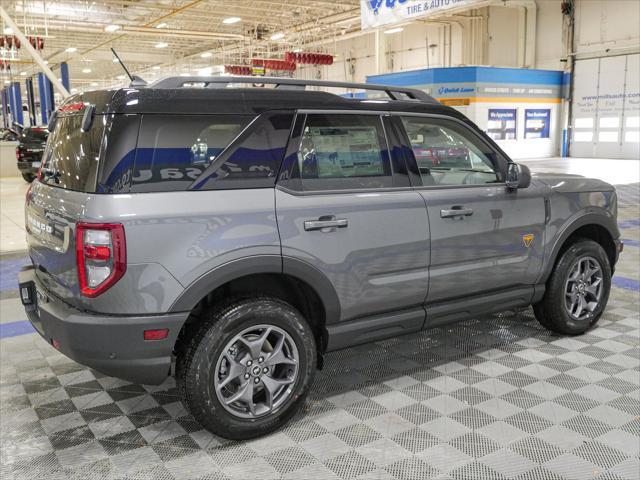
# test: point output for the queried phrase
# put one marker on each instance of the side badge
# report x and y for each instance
(527, 239)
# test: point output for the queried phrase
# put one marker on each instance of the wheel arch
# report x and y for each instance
(292, 280)
(593, 226)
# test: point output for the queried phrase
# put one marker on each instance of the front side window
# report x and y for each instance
(343, 152)
(173, 150)
(447, 154)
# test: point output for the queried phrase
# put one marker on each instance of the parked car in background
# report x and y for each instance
(29, 151)
(9, 135)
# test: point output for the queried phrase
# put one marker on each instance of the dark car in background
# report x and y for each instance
(29, 151)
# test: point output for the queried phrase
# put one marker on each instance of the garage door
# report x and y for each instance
(606, 108)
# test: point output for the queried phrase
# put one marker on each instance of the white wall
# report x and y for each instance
(610, 24)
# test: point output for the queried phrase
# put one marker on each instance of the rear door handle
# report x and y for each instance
(456, 211)
(325, 222)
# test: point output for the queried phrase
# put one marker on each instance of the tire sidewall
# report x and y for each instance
(563, 321)
(199, 388)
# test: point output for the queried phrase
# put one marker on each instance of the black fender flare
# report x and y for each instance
(589, 218)
(259, 264)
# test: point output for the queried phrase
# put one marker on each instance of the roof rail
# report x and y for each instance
(393, 92)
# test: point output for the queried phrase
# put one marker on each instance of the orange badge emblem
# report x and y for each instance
(527, 239)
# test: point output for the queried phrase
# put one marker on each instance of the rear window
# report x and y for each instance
(34, 135)
(71, 157)
(174, 150)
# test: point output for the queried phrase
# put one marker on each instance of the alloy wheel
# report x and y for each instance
(583, 288)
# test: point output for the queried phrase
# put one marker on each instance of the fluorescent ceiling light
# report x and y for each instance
(74, 90)
(86, 70)
(115, 60)
(297, 50)
(161, 45)
(71, 50)
(161, 25)
(23, 73)
(206, 55)
(156, 67)
(205, 71)
(277, 36)
(46, 62)
(394, 30)
(120, 77)
(231, 20)
(112, 28)
(8, 31)
(94, 84)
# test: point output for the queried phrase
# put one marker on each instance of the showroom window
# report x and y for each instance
(446, 154)
(343, 152)
(174, 150)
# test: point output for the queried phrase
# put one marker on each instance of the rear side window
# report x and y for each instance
(343, 152)
(71, 158)
(174, 150)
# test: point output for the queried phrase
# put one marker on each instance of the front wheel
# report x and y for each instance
(577, 291)
(249, 369)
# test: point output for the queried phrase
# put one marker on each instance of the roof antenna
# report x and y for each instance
(136, 81)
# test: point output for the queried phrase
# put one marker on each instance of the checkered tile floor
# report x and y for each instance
(490, 398)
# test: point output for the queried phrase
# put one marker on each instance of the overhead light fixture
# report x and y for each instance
(394, 30)
(120, 77)
(185, 74)
(206, 55)
(94, 84)
(115, 60)
(112, 28)
(161, 25)
(8, 31)
(297, 50)
(74, 90)
(156, 67)
(7, 82)
(23, 73)
(71, 49)
(205, 71)
(46, 62)
(86, 70)
(231, 20)
(161, 45)
(277, 36)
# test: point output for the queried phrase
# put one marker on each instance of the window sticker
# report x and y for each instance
(346, 152)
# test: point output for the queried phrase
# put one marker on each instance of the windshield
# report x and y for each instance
(34, 134)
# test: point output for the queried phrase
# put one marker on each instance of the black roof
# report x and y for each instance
(239, 101)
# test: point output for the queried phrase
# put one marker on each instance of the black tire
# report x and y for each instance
(196, 369)
(28, 177)
(551, 311)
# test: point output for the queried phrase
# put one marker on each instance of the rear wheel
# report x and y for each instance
(577, 291)
(28, 177)
(249, 369)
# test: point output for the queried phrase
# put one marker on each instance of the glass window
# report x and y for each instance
(173, 150)
(254, 158)
(608, 136)
(343, 152)
(609, 122)
(446, 154)
(585, 122)
(71, 157)
(582, 136)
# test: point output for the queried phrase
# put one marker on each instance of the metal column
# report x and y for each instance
(31, 102)
(64, 75)
(17, 99)
(43, 91)
(5, 108)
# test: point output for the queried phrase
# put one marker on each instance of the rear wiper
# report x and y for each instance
(51, 173)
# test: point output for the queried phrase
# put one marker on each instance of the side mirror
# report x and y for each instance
(518, 176)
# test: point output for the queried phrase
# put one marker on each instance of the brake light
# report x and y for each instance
(101, 256)
(17, 153)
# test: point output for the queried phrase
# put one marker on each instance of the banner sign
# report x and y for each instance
(537, 122)
(376, 13)
(501, 123)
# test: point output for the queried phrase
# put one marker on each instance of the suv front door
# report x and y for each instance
(484, 237)
(345, 206)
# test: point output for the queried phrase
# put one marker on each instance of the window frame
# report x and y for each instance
(500, 160)
(289, 178)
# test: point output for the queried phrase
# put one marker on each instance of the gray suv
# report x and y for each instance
(237, 235)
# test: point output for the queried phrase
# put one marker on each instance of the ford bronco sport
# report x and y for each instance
(246, 232)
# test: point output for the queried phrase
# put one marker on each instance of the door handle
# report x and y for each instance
(456, 211)
(325, 222)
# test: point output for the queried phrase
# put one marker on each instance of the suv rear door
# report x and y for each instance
(344, 206)
(484, 237)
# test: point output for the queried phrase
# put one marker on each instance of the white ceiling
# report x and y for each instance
(188, 27)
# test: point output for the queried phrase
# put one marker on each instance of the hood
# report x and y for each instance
(567, 183)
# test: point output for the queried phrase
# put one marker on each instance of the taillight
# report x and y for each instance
(17, 153)
(101, 256)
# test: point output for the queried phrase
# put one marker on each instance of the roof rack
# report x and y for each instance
(393, 92)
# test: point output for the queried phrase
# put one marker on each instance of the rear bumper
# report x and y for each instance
(113, 345)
